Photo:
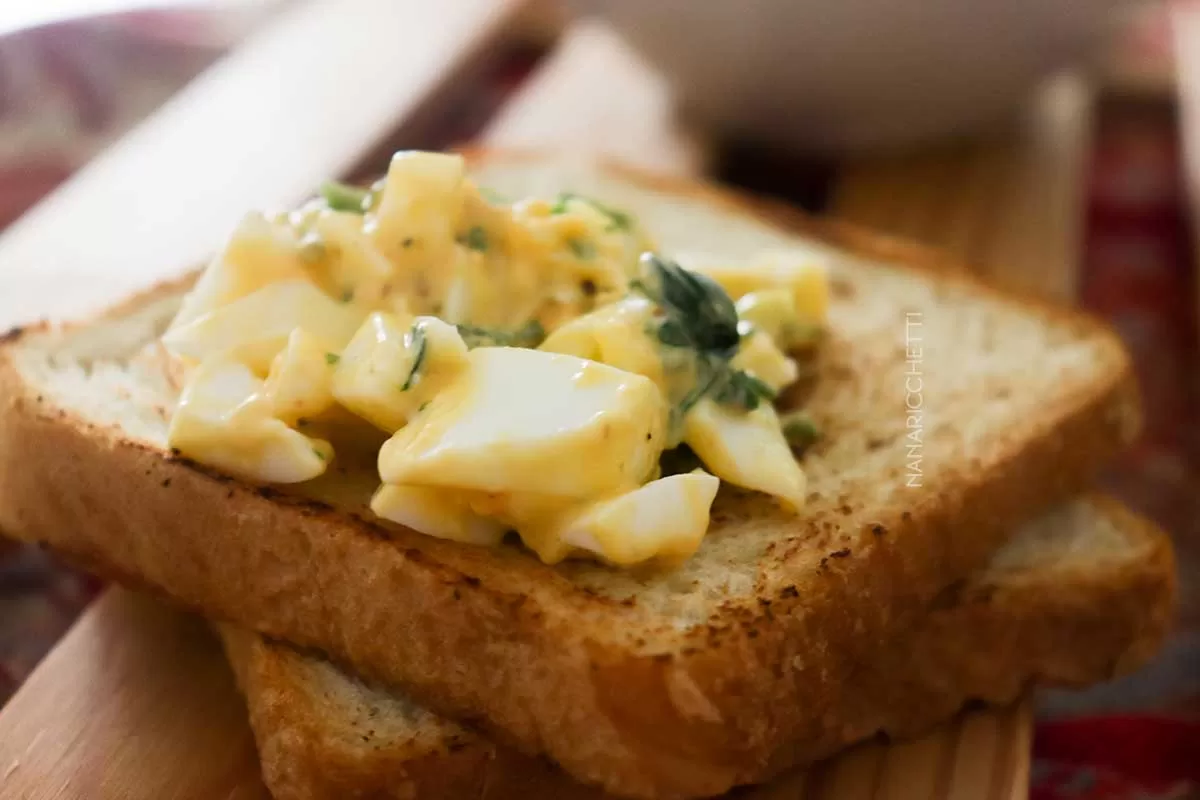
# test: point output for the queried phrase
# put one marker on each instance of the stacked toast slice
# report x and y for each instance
(898, 594)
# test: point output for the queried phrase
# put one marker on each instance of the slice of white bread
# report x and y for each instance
(671, 684)
(1083, 594)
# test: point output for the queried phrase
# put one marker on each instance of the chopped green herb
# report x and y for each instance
(343, 197)
(699, 310)
(531, 334)
(699, 319)
(318, 454)
(407, 243)
(582, 248)
(423, 406)
(710, 374)
(332, 358)
(347, 295)
(420, 345)
(617, 220)
(476, 238)
(744, 390)
(799, 430)
(562, 202)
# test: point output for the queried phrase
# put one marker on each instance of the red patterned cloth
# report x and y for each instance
(66, 91)
(1139, 738)
(1131, 757)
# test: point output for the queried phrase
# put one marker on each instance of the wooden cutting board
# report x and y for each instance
(136, 702)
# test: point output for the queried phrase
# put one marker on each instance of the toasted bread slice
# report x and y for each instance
(1083, 594)
(678, 683)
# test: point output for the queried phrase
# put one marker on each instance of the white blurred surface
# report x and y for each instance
(856, 74)
(18, 14)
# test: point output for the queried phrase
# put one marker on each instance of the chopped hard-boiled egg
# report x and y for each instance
(259, 253)
(436, 512)
(663, 520)
(807, 280)
(759, 356)
(300, 383)
(254, 328)
(305, 322)
(527, 421)
(391, 368)
(746, 448)
(579, 240)
(224, 420)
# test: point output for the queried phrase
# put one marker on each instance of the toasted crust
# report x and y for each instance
(617, 694)
(1065, 620)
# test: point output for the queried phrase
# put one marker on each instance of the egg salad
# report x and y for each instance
(534, 368)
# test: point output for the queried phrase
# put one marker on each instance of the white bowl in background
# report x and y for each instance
(853, 74)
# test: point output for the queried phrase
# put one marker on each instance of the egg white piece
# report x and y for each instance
(224, 421)
(665, 519)
(256, 327)
(527, 421)
(436, 512)
(746, 448)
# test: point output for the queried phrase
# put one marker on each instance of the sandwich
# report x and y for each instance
(633, 474)
(1081, 595)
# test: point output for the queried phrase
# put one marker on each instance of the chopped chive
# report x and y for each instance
(420, 345)
(562, 202)
(618, 220)
(476, 238)
(799, 430)
(318, 454)
(332, 358)
(343, 197)
(347, 295)
(407, 243)
(531, 334)
(744, 390)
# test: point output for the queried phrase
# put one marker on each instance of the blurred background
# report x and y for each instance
(1053, 145)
